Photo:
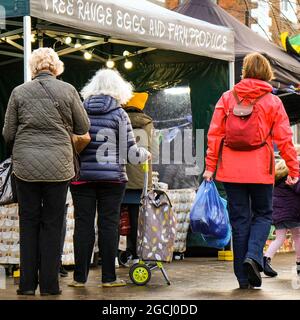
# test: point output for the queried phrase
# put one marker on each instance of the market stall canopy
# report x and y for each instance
(137, 21)
(287, 69)
(14, 8)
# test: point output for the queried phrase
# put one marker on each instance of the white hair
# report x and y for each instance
(108, 82)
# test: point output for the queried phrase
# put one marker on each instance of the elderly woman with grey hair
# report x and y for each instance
(103, 174)
(42, 158)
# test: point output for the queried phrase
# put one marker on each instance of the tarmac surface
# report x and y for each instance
(191, 278)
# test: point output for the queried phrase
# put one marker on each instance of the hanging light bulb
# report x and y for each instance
(126, 53)
(128, 64)
(68, 40)
(77, 44)
(110, 63)
(33, 38)
(87, 55)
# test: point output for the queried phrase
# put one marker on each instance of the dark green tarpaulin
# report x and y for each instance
(15, 8)
(207, 78)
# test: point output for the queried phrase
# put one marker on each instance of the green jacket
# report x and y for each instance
(42, 149)
(139, 120)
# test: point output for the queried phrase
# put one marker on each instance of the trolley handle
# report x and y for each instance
(145, 168)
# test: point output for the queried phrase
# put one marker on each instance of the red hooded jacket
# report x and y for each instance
(251, 166)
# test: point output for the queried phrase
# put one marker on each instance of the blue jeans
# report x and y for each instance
(250, 213)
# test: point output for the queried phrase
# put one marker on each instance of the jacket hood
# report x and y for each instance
(101, 104)
(137, 117)
(252, 88)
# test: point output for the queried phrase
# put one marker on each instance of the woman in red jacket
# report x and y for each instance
(246, 122)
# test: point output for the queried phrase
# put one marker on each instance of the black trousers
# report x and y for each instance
(63, 233)
(41, 211)
(106, 198)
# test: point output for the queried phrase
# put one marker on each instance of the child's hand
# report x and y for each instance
(291, 180)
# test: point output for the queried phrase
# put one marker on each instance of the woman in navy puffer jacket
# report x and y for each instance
(103, 174)
(286, 216)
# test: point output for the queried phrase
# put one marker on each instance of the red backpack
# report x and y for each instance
(242, 126)
(242, 129)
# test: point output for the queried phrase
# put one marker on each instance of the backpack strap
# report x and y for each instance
(238, 101)
(270, 149)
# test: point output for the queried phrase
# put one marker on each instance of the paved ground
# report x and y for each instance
(192, 278)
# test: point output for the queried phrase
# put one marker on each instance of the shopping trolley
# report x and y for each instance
(140, 273)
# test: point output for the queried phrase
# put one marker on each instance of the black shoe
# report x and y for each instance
(57, 293)
(298, 268)
(268, 270)
(63, 272)
(246, 286)
(25, 293)
(252, 271)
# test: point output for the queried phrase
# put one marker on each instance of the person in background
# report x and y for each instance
(286, 216)
(143, 131)
(42, 159)
(244, 161)
(103, 175)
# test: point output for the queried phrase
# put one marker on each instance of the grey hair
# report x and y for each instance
(108, 82)
(45, 59)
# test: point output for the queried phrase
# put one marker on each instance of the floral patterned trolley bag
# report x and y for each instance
(156, 234)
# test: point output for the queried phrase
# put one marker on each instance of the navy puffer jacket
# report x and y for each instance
(112, 140)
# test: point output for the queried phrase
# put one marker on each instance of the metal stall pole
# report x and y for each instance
(231, 74)
(228, 254)
(27, 77)
(27, 47)
(231, 85)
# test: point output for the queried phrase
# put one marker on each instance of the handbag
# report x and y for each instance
(8, 194)
(76, 159)
(81, 141)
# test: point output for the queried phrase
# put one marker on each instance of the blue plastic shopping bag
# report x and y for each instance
(209, 215)
(213, 242)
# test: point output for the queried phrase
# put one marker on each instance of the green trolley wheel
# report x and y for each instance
(140, 274)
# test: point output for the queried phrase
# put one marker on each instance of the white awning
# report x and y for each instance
(139, 21)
